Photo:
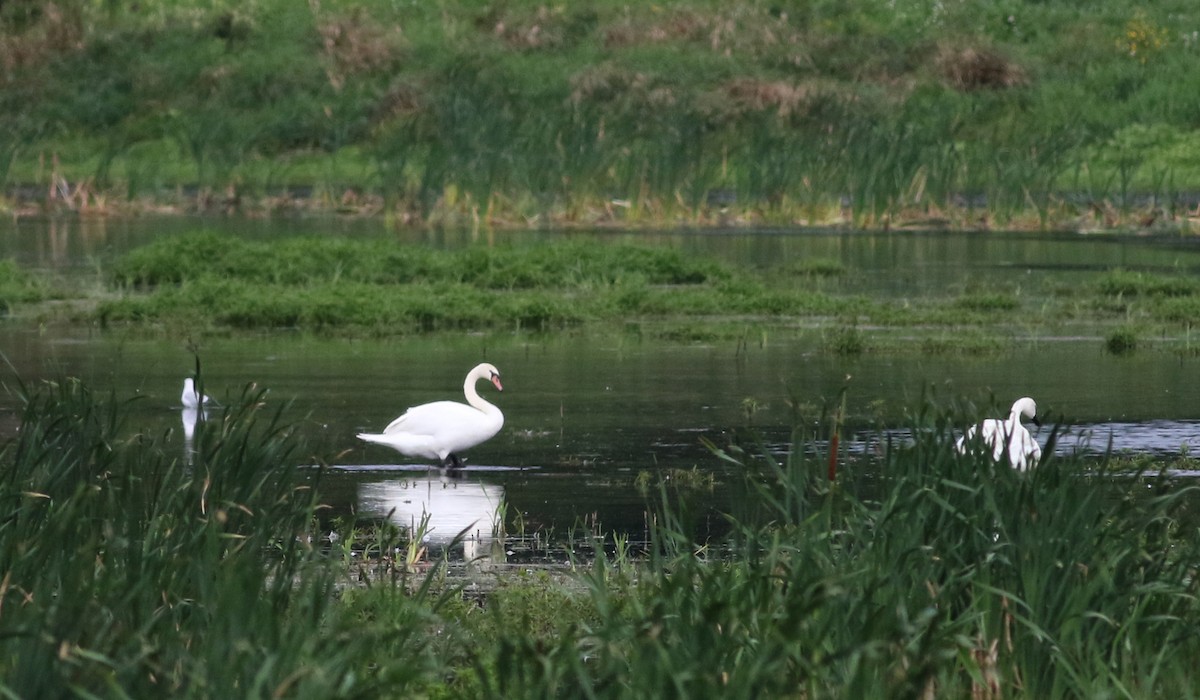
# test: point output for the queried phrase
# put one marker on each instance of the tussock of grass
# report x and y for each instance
(846, 340)
(1122, 341)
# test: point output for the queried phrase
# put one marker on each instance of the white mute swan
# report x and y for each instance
(442, 429)
(1023, 451)
(192, 398)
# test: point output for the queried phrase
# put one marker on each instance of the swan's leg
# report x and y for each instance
(452, 461)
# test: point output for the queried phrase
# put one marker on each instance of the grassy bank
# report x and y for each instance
(205, 283)
(921, 572)
(869, 113)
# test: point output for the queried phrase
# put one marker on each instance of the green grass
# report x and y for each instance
(130, 572)
(212, 281)
(869, 113)
(18, 286)
(199, 283)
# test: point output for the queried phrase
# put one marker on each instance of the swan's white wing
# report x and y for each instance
(1024, 452)
(993, 432)
(435, 430)
(432, 418)
(1005, 436)
(421, 446)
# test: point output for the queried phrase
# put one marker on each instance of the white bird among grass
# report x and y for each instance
(1007, 435)
(192, 398)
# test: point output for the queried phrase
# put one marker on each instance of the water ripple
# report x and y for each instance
(1160, 437)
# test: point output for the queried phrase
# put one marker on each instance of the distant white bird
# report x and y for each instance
(192, 398)
(442, 429)
(1008, 435)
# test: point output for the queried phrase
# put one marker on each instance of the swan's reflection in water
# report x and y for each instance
(453, 505)
(190, 417)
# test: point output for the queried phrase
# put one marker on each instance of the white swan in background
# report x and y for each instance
(192, 398)
(442, 429)
(1023, 451)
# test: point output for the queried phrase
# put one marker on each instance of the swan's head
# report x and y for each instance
(489, 372)
(1026, 407)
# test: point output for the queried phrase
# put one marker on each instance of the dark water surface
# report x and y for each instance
(587, 414)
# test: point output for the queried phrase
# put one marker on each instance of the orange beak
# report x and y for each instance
(496, 382)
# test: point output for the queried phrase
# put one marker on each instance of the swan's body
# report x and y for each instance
(190, 397)
(1008, 435)
(442, 429)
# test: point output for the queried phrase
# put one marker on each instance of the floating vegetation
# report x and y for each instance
(694, 479)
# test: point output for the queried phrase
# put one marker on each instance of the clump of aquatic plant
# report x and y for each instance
(1122, 341)
(694, 479)
(750, 407)
(846, 340)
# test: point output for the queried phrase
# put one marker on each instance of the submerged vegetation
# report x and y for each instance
(918, 572)
(871, 112)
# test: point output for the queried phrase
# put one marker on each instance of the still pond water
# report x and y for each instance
(586, 414)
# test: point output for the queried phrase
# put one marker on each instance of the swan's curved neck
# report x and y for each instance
(473, 396)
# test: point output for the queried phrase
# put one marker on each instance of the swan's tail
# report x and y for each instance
(371, 437)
